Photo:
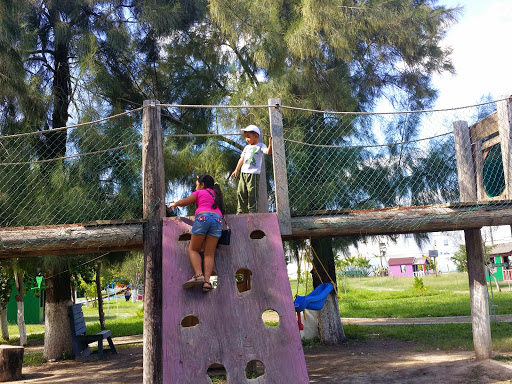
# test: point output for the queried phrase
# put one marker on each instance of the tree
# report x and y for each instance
(68, 51)
(6, 283)
(331, 56)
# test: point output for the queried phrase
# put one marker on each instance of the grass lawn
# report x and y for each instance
(444, 295)
(121, 319)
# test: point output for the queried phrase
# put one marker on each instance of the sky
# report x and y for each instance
(483, 63)
(481, 53)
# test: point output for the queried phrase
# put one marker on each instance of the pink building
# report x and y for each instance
(408, 266)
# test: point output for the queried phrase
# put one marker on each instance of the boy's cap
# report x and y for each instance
(251, 128)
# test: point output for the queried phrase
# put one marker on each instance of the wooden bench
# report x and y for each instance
(81, 341)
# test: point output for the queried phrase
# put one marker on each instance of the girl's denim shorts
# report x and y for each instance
(207, 223)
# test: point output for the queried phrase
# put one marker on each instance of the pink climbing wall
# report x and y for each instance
(231, 331)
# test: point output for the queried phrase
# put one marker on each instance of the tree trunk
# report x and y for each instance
(330, 329)
(57, 340)
(73, 295)
(100, 297)
(3, 323)
(18, 278)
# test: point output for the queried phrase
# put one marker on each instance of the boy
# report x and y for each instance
(250, 164)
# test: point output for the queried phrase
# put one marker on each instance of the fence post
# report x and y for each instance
(280, 172)
(465, 168)
(262, 186)
(504, 127)
(153, 192)
(479, 296)
(480, 319)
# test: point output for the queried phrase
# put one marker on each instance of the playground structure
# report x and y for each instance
(300, 215)
(225, 326)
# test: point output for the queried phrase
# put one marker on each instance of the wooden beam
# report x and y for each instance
(465, 168)
(400, 220)
(79, 239)
(153, 196)
(504, 125)
(280, 171)
(69, 240)
(479, 295)
(484, 128)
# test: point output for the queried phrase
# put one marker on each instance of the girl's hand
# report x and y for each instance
(234, 174)
(172, 205)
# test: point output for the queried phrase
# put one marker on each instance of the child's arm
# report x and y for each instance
(269, 148)
(238, 166)
(184, 202)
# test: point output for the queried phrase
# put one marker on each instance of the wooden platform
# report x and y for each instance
(231, 331)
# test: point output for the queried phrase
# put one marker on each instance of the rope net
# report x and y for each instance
(336, 162)
(374, 161)
(82, 173)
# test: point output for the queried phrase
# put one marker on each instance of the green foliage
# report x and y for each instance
(354, 263)
(6, 284)
(418, 284)
(459, 258)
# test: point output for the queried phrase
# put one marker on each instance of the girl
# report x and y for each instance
(206, 229)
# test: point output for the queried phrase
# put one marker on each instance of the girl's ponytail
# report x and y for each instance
(219, 199)
(210, 183)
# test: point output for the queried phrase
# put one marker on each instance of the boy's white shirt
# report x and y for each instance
(253, 157)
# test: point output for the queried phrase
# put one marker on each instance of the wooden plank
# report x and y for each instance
(478, 294)
(410, 220)
(504, 126)
(153, 195)
(465, 168)
(280, 171)
(231, 331)
(69, 240)
(484, 128)
(346, 222)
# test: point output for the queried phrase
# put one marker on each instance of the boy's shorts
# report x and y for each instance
(207, 223)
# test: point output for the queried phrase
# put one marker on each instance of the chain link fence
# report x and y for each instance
(346, 161)
(77, 174)
(336, 162)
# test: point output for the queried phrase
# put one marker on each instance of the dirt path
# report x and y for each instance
(372, 361)
(354, 362)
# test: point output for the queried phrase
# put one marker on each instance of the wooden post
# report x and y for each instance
(504, 122)
(153, 186)
(474, 246)
(280, 172)
(262, 187)
(478, 294)
(465, 168)
(11, 361)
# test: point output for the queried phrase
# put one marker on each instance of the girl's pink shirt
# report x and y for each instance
(205, 201)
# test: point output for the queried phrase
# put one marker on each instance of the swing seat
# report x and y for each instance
(315, 300)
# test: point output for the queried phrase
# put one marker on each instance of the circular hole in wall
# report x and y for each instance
(493, 175)
(217, 373)
(270, 317)
(189, 321)
(185, 237)
(243, 279)
(254, 369)
(257, 234)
